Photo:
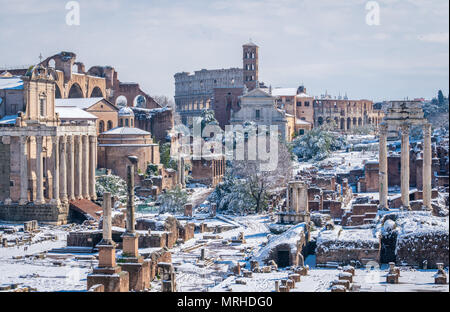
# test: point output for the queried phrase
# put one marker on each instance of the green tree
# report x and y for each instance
(173, 201)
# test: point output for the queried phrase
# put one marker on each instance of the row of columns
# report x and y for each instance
(74, 159)
(404, 179)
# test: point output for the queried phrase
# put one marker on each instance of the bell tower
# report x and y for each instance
(250, 62)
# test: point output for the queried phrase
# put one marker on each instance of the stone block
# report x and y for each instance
(118, 282)
(392, 278)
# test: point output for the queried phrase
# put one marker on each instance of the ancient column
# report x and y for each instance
(183, 179)
(303, 198)
(426, 167)
(55, 199)
(63, 168)
(71, 167)
(294, 207)
(85, 169)
(107, 220)
(92, 166)
(288, 203)
(23, 170)
(130, 238)
(130, 202)
(78, 167)
(39, 172)
(383, 167)
(405, 166)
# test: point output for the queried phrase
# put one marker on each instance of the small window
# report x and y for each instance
(258, 114)
(306, 103)
(126, 122)
(299, 104)
(121, 123)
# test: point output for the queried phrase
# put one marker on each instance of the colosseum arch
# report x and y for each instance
(96, 93)
(349, 123)
(75, 91)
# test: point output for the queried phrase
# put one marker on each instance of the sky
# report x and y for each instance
(326, 45)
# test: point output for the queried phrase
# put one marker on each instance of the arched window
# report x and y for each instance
(121, 123)
(126, 122)
(110, 124)
(101, 126)
(42, 105)
(132, 123)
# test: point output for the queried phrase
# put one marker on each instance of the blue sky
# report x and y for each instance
(326, 44)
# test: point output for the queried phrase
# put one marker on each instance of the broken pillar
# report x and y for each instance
(108, 273)
(441, 276)
(188, 210)
(131, 262)
(167, 277)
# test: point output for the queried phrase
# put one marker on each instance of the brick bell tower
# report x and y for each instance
(250, 61)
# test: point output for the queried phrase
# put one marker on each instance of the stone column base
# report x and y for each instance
(130, 246)
(117, 282)
(139, 274)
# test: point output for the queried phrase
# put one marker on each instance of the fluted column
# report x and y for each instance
(405, 166)
(78, 167)
(63, 168)
(23, 170)
(39, 172)
(426, 167)
(71, 167)
(55, 147)
(92, 166)
(383, 168)
(85, 169)
(288, 203)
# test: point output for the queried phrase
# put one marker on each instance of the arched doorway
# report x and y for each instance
(75, 92)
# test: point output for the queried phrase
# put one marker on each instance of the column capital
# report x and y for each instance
(404, 128)
(427, 129)
(23, 139)
(63, 139)
(92, 138)
(70, 139)
(383, 128)
(39, 139)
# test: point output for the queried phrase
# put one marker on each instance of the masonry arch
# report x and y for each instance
(110, 125)
(360, 121)
(342, 124)
(57, 92)
(97, 93)
(121, 101)
(355, 121)
(139, 101)
(101, 126)
(349, 123)
(75, 91)
(320, 121)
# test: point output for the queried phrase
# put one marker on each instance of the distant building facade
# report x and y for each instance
(346, 114)
(218, 90)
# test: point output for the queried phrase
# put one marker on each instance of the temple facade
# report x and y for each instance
(45, 163)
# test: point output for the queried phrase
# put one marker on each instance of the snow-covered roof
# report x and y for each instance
(8, 120)
(347, 238)
(127, 131)
(67, 112)
(290, 237)
(126, 111)
(11, 83)
(82, 103)
(304, 95)
(284, 91)
(302, 122)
